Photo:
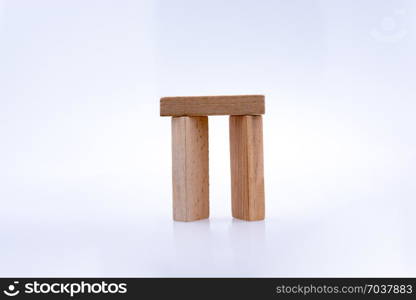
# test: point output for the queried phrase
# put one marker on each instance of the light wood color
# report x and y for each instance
(190, 168)
(247, 173)
(212, 105)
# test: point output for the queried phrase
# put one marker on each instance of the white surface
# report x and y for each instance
(85, 184)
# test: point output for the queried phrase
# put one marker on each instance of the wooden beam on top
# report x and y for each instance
(212, 105)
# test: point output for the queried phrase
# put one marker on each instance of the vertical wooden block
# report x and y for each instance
(190, 168)
(247, 172)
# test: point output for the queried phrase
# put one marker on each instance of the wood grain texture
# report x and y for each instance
(247, 172)
(212, 105)
(190, 174)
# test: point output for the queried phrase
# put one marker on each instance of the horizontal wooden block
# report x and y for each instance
(212, 105)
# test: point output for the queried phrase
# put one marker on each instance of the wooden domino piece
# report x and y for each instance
(246, 156)
(190, 175)
(212, 105)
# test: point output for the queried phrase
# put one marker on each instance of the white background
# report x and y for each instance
(85, 161)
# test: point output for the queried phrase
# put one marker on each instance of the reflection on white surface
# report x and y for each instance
(224, 246)
(343, 243)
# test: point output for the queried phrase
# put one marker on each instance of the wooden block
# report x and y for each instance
(190, 168)
(212, 105)
(247, 173)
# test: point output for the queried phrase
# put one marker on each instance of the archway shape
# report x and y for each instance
(190, 170)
